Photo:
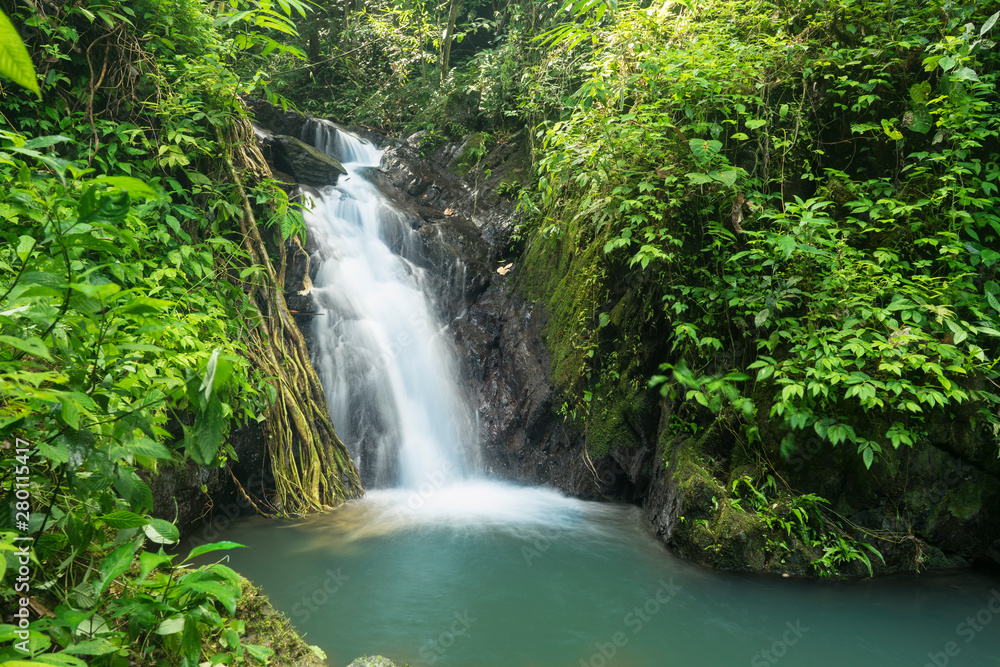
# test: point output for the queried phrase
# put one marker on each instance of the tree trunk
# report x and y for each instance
(446, 43)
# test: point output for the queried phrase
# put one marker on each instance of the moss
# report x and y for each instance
(268, 627)
(473, 151)
(966, 501)
(372, 661)
(620, 411)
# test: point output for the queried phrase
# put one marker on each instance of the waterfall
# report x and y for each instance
(389, 376)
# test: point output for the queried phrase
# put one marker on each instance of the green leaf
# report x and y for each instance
(144, 306)
(698, 178)
(91, 647)
(135, 187)
(148, 448)
(115, 563)
(209, 379)
(755, 123)
(161, 532)
(170, 626)
(214, 546)
(123, 519)
(57, 659)
(215, 590)
(25, 244)
(919, 92)
(259, 653)
(869, 457)
(33, 346)
(203, 440)
(989, 24)
(148, 561)
(965, 74)
(190, 644)
(705, 149)
(15, 63)
(727, 178)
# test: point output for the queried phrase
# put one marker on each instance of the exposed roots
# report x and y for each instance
(312, 467)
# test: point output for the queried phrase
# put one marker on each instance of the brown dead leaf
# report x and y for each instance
(504, 270)
(449, 211)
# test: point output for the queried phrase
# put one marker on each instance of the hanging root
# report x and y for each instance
(312, 467)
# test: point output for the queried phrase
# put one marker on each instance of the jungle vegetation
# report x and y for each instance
(781, 214)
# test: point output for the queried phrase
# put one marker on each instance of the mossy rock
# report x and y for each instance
(268, 627)
(471, 151)
(373, 661)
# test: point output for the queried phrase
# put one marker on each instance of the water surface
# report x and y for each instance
(482, 574)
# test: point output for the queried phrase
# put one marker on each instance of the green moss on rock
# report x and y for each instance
(372, 661)
(966, 501)
(268, 627)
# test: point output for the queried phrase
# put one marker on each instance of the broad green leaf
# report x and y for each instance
(15, 63)
(135, 187)
(216, 591)
(208, 548)
(755, 123)
(161, 532)
(190, 644)
(989, 24)
(919, 92)
(208, 380)
(148, 561)
(57, 660)
(116, 563)
(203, 440)
(698, 178)
(45, 141)
(262, 653)
(33, 346)
(148, 448)
(704, 149)
(123, 519)
(25, 244)
(144, 306)
(727, 178)
(170, 626)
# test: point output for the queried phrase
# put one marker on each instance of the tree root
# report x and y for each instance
(312, 468)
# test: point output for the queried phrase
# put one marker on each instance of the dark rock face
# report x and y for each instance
(275, 118)
(195, 496)
(304, 163)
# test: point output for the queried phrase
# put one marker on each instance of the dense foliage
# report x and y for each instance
(788, 208)
(140, 321)
(811, 196)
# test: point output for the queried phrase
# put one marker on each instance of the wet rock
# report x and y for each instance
(194, 496)
(304, 163)
(274, 118)
(297, 280)
(374, 661)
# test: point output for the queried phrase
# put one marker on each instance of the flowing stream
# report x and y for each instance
(439, 566)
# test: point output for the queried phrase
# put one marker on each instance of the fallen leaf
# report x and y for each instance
(449, 211)
(504, 270)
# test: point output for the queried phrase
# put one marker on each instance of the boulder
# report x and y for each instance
(304, 163)
(372, 661)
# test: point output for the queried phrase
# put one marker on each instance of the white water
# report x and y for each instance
(387, 372)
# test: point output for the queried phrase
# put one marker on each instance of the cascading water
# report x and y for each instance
(388, 376)
(450, 570)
